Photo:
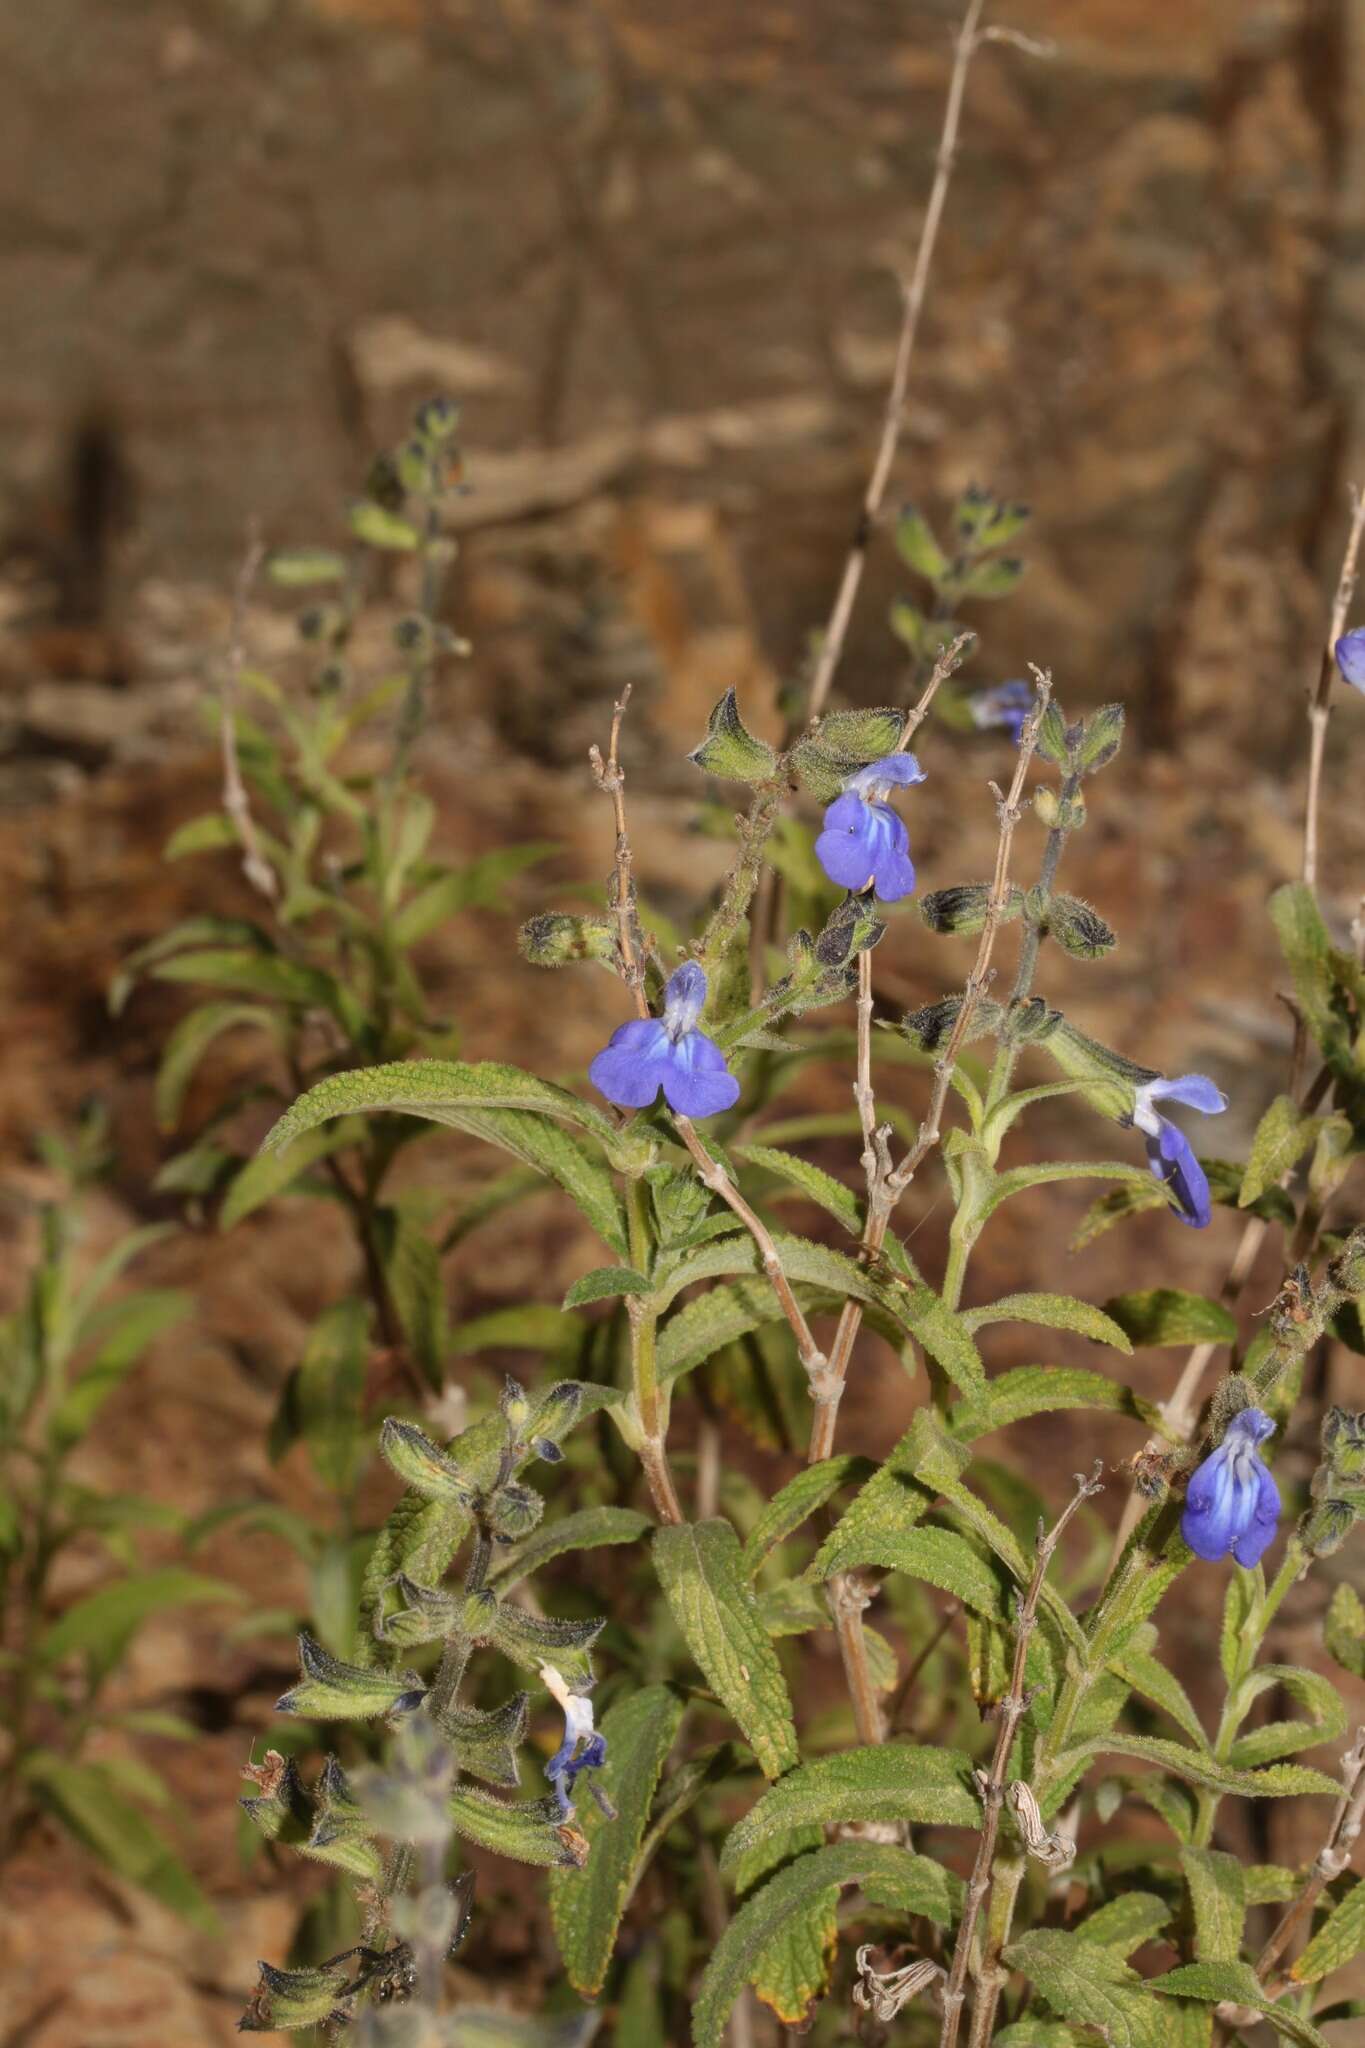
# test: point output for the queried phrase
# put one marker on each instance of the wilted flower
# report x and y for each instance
(668, 1052)
(864, 844)
(581, 1749)
(1004, 704)
(1233, 1503)
(1350, 652)
(1169, 1153)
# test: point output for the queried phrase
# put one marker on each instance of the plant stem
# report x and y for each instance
(1011, 1710)
(1331, 1860)
(643, 1365)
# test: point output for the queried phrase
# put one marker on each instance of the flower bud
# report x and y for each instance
(514, 1511)
(1101, 737)
(930, 1028)
(1078, 929)
(516, 1409)
(1052, 741)
(557, 937)
(1325, 1527)
(1045, 804)
(962, 909)
(852, 928)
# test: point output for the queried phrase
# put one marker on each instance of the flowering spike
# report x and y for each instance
(865, 844)
(668, 1052)
(1233, 1504)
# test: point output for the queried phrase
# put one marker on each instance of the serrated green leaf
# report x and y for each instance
(1149, 1676)
(586, 1905)
(606, 1283)
(1338, 1941)
(730, 751)
(1020, 1178)
(812, 1181)
(1277, 1781)
(1043, 1390)
(1281, 1138)
(1269, 1884)
(1167, 1315)
(892, 1783)
(1052, 1312)
(801, 1497)
(333, 1691)
(1344, 1630)
(701, 1570)
(527, 1830)
(793, 1969)
(912, 1882)
(1236, 1984)
(1326, 1714)
(116, 1830)
(942, 1558)
(1218, 1895)
(1115, 1207)
(1086, 1982)
(589, 1529)
(1125, 1923)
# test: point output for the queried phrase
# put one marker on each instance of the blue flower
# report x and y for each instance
(1233, 1503)
(1005, 704)
(1350, 652)
(864, 844)
(581, 1750)
(668, 1052)
(1169, 1152)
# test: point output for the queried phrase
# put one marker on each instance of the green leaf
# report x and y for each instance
(1167, 1315)
(1126, 1923)
(812, 1181)
(275, 1173)
(527, 1830)
(589, 1529)
(1326, 1714)
(1269, 1884)
(1043, 1390)
(187, 1045)
(381, 529)
(329, 1395)
(253, 973)
(1282, 1137)
(730, 751)
(1236, 1984)
(843, 741)
(1344, 1630)
(333, 1691)
(1338, 1941)
(998, 578)
(586, 1906)
(114, 1827)
(1307, 948)
(294, 568)
(1051, 1312)
(1278, 1781)
(125, 1332)
(1020, 1178)
(701, 1570)
(204, 834)
(605, 1284)
(1149, 1676)
(101, 1625)
(894, 1782)
(812, 1488)
(532, 1640)
(1218, 1894)
(412, 1276)
(485, 1745)
(793, 1970)
(1086, 1982)
(911, 1882)
(1115, 1207)
(941, 1558)
(917, 547)
(498, 1103)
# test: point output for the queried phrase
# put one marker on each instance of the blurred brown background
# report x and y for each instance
(652, 247)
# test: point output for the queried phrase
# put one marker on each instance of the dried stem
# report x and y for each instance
(891, 1183)
(1012, 1710)
(610, 779)
(832, 645)
(1331, 1860)
(1319, 703)
(236, 803)
(848, 1596)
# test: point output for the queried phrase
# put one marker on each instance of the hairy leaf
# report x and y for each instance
(1087, 1982)
(1167, 1315)
(1277, 1781)
(1218, 1894)
(800, 1498)
(1236, 1984)
(1338, 1941)
(701, 1570)
(892, 1783)
(589, 1529)
(1282, 1137)
(1053, 1312)
(528, 1830)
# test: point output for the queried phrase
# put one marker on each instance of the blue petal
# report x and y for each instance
(894, 871)
(1351, 657)
(1171, 1158)
(894, 771)
(1196, 1091)
(696, 1079)
(685, 997)
(846, 849)
(1209, 1523)
(1259, 1533)
(629, 1070)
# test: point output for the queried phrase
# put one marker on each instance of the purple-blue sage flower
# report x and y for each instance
(1005, 704)
(1350, 652)
(864, 844)
(582, 1748)
(1169, 1152)
(668, 1052)
(1233, 1503)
